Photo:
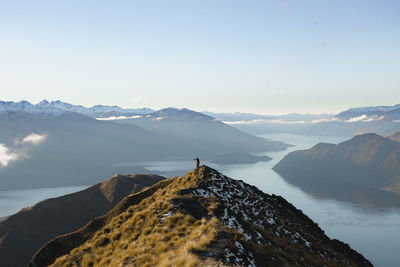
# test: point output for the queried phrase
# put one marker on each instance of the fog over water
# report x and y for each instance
(372, 231)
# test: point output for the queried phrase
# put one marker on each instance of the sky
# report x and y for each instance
(268, 57)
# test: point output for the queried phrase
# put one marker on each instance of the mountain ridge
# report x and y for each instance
(25, 232)
(79, 150)
(367, 163)
(202, 219)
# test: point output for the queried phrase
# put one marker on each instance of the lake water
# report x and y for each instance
(374, 232)
(13, 201)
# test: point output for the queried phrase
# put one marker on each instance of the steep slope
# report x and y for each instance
(202, 219)
(395, 137)
(25, 232)
(366, 164)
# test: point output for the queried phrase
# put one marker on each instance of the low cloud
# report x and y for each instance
(361, 118)
(261, 121)
(6, 156)
(20, 150)
(113, 118)
(34, 139)
(365, 118)
(326, 120)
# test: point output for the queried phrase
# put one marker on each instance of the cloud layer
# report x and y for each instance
(8, 155)
(34, 139)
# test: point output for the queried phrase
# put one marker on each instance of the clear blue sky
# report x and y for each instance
(256, 56)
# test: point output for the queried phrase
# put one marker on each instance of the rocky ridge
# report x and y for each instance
(202, 219)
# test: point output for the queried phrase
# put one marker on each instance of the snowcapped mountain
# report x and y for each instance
(95, 111)
(383, 120)
(24, 106)
(25, 109)
(374, 109)
(59, 108)
(368, 111)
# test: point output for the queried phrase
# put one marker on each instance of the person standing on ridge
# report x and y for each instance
(197, 162)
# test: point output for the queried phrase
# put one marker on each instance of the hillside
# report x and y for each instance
(395, 137)
(366, 168)
(25, 232)
(202, 219)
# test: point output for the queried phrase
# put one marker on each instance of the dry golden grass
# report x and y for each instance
(157, 230)
(151, 233)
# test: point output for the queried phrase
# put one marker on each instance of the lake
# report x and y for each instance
(12, 201)
(374, 232)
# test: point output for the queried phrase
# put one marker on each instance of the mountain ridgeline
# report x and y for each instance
(26, 231)
(202, 219)
(364, 169)
(79, 149)
(395, 137)
(383, 120)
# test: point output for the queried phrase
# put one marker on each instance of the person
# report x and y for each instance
(197, 162)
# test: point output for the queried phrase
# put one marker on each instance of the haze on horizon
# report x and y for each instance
(264, 57)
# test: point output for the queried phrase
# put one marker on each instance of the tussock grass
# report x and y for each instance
(151, 233)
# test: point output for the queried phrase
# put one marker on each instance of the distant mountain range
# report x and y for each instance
(43, 145)
(202, 219)
(265, 124)
(23, 233)
(364, 169)
(384, 120)
(95, 111)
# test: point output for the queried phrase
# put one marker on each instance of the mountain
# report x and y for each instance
(202, 219)
(74, 149)
(183, 125)
(368, 111)
(395, 137)
(382, 120)
(26, 231)
(97, 111)
(266, 124)
(364, 169)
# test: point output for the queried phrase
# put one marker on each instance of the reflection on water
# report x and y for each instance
(374, 232)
